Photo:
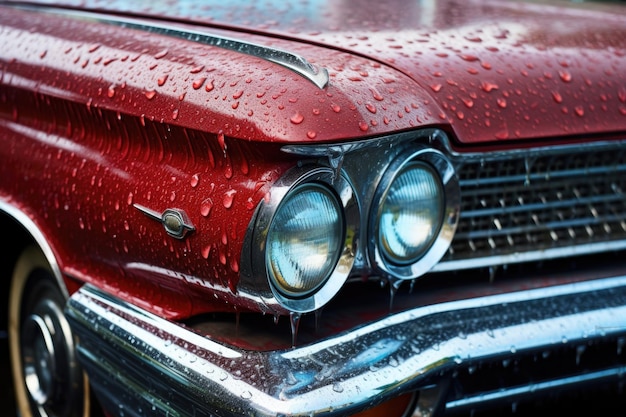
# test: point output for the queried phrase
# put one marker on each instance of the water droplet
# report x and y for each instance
(238, 94)
(221, 140)
(229, 196)
(234, 266)
(111, 91)
(195, 179)
(487, 86)
(503, 134)
(579, 352)
(337, 387)
(565, 76)
(557, 97)
(150, 94)
(579, 110)
(297, 118)
(363, 126)
(371, 108)
(469, 103)
(377, 96)
(199, 82)
(469, 58)
(335, 108)
(161, 81)
(209, 86)
(311, 134)
(160, 54)
(501, 102)
(197, 69)
(206, 206)
(436, 87)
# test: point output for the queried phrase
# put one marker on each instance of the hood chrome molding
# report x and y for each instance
(296, 63)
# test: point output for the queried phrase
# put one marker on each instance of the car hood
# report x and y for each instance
(498, 70)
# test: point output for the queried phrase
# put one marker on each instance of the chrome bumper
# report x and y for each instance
(141, 364)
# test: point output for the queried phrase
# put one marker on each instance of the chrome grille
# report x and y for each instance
(525, 206)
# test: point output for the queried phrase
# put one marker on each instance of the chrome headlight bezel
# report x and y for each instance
(436, 163)
(266, 284)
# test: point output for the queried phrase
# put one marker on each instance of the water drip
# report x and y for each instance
(318, 317)
(294, 319)
(335, 159)
(394, 286)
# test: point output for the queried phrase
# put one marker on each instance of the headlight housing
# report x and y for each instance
(415, 213)
(411, 212)
(303, 240)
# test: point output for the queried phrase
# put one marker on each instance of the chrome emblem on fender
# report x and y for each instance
(175, 221)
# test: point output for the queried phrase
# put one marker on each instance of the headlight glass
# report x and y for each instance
(411, 214)
(305, 240)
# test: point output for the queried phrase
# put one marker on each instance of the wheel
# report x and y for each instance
(47, 378)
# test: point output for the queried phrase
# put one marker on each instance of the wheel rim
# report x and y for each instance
(47, 377)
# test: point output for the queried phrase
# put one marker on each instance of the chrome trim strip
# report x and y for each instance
(519, 257)
(296, 63)
(536, 388)
(339, 375)
(334, 150)
(441, 138)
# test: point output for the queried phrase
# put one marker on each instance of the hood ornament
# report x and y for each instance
(175, 221)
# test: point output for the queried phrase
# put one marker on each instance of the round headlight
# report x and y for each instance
(411, 213)
(305, 240)
(301, 245)
(415, 215)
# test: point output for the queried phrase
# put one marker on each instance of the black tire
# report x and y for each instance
(47, 378)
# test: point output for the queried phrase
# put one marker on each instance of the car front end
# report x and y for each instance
(224, 210)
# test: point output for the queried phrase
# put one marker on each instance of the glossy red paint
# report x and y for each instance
(150, 90)
(498, 70)
(155, 165)
(184, 83)
(172, 115)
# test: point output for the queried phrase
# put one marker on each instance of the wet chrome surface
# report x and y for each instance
(345, 373)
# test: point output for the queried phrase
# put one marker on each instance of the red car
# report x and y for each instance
(301, 208)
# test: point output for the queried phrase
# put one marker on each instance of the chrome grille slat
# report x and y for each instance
(539, 204)
(560, 174)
